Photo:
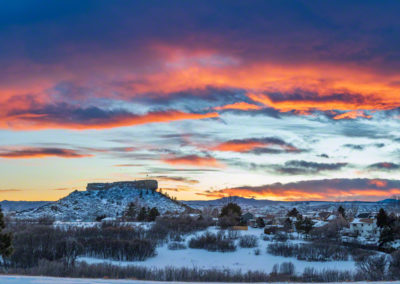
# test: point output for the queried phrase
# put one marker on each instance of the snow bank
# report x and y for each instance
(15, 279)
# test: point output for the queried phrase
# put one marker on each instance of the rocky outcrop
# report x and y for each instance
(139, 184)
(105, 199)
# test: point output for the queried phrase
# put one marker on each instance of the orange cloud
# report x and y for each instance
(238, 147)
(31, 152)
(369, 90)
(271, 84)
(32, 122)
(378, 183)
(239, 106)
(253, 144)
(330, 189)
(351, 115)
(193, 160)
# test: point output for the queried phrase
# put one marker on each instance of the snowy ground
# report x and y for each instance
(50, 280)
(243, 258)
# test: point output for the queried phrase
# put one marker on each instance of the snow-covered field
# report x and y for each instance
(243, 258)
(50, 280)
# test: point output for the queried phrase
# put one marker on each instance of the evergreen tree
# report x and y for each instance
(307, 225)
(342, 212)
(130, 212)
(230, 215)
(231, 209)
(141, 194)
(304, 225)
(142, 216)
(153, 213)
(382, 219)
(288, 224)
(260, 222)
(293, 213)
(386, 236)
(6, 248)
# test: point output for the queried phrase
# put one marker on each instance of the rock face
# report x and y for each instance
(139, 184)
(106, 199)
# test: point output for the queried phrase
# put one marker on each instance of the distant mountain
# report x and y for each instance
(242, 201)
(110, 200)
(11, 206)
(390, 200)
(304, 206)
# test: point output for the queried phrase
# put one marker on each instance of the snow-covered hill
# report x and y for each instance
(111, 202)
(9, 206)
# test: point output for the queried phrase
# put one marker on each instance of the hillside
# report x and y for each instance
(10, 206)
(110, 201)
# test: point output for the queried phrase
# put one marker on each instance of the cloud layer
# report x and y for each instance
(328, 189)
(208, 94)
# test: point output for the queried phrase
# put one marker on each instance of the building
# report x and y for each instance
(247, 217)
(364, 227)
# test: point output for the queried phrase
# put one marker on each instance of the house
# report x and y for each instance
(270, 219)
(247, 217)
(331, 218)
(365, 216)
(323, 215)
(272, 229)
(240, 228)
(364, 227)
(252, 223)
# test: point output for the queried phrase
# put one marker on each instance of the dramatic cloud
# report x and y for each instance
(176, 179)
(362, 147)
(91, 118)
(194, 160)
(327, 189)
(337, 66)
(351, 115)
(32, 152)
(303, 167)
(384, 166)
(256, 145)
(203, 90)
(239, 106)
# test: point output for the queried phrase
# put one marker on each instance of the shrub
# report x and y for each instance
(99, 218)
(248, 241)
(309, 252)
(283, 272)
(287, 268)
(176, 246)
(281, 237)
(46, 220)
(176, 227)
(233, 234)
(394, 266)
(213, 242)
(359, 255)
(373, 268)
(35, 243)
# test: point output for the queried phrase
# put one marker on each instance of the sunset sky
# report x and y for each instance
(280, 100)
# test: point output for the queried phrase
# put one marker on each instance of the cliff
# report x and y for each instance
(140, 184)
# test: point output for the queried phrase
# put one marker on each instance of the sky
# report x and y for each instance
(280, 100)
